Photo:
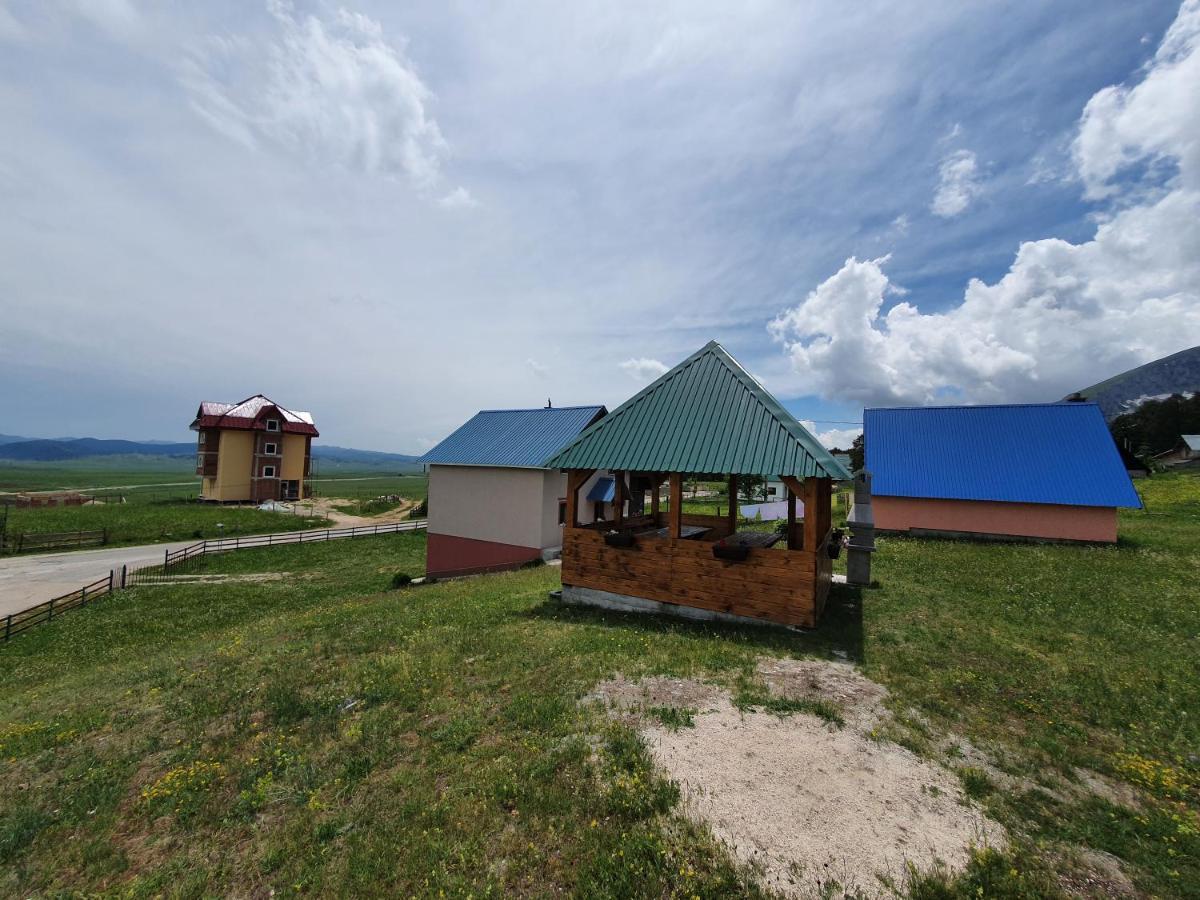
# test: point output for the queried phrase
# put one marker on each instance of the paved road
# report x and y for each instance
(27, 580)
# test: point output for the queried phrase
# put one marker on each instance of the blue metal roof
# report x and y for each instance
(604, 490)
(1035, 453)
(513, 437)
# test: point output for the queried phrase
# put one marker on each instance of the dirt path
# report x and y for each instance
(325, 506)
(814, 808)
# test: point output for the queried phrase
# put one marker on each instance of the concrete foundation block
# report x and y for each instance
(581, 596)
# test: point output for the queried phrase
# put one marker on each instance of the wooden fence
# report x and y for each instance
(182, 562)
(15, 623)
(53, 540)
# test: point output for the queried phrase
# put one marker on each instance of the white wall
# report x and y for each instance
(491, 503)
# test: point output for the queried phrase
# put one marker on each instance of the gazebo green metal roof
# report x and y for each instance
(708, 415)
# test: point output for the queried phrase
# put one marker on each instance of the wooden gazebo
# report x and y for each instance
(706, 417)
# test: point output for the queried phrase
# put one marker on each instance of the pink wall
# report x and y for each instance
(1038, 520)
(447, 555)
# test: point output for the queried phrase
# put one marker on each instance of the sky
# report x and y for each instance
(394, 215)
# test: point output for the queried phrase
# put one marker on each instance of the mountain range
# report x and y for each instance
(13, 447)
(1178, 373)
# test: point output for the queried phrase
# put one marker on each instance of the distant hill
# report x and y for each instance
(44, 450)
(11, 439)
(1178, 373)
(374, 457)
(54, 451)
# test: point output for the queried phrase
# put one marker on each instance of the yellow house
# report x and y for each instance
(254, 450)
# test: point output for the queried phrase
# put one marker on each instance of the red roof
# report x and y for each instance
(253, 414)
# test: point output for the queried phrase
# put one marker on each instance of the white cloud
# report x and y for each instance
(643, 369)
(958, 184)
(840, 438)
(1156, 121)
(536, 367)
(327, 89)
(459, 198)
(10, 28)
(1063, 312)
(118, 17)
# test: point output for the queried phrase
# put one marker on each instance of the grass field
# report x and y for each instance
(154, 479)
(149, 523)
(157, 477)
(370, 486)
(324, 735)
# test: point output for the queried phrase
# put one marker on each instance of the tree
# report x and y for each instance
(857, 454)
(1155, 426)
(752, 487)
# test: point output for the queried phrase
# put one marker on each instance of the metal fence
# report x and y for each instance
(184, 561)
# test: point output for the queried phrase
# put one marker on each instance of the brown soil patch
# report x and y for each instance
(803, 803)
(1094, 873)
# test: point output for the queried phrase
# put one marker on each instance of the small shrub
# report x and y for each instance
(673, 718)
(400, 580)
(750, 700)
(975, 782)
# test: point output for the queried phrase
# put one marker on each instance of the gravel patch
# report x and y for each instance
(812, 808)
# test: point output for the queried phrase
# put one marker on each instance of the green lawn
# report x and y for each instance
(150, 477)
(144, 479)
(322, 734)
(368, 487)
(148, 523)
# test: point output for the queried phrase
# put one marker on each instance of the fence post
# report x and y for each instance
(104, 540)
(50, 611)
(124, 567)
(111, 578)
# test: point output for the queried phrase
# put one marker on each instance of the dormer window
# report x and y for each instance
(272, 424)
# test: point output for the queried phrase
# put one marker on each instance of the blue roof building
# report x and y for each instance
(492, 503)
(1048, 470)
(513, 437)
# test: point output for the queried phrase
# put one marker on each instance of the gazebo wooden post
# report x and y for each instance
(655, 484)
(675, 525)
(812, 514)
(791, 518)
(618, 500)
(576, 478)
(732, 514)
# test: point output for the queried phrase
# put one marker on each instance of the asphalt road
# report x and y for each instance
(27, 580)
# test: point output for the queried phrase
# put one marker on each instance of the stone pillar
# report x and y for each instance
(862, 532)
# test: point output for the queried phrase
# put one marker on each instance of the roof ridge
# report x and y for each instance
(657, 383)
(1050, 403)
(811, 454)
(543, 408)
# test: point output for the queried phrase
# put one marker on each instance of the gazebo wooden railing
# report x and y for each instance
(787, 584)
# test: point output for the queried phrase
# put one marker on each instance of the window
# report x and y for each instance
(270, 449)
(268, 471)
(272, 424)
(203, 437)
(562, 512)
